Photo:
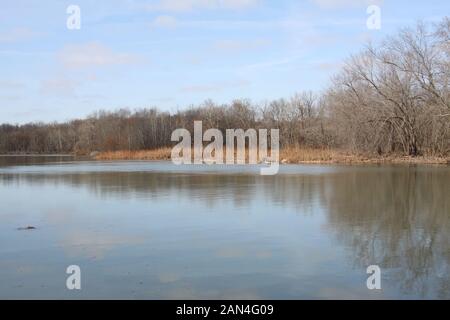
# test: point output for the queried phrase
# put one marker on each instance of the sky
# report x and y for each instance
(171, 54)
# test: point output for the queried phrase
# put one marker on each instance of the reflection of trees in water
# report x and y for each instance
(211, 189)
(399, 219)
(6, 161)
(396, 217)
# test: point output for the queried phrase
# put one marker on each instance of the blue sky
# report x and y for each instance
(173, 53)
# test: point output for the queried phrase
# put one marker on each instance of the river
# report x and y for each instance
(153, 230)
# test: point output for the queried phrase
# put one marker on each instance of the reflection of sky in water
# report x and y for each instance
(153, 230)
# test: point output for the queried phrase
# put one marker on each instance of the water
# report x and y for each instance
(152, 230)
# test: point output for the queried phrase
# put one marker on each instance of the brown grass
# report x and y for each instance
(156, 154)
(312, 155)
(288, 155)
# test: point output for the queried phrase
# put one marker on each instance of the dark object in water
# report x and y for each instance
(27, 228)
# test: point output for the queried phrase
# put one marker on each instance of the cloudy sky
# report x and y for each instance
(173, 53)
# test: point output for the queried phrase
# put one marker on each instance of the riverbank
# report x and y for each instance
(293, 155)
(35, 155)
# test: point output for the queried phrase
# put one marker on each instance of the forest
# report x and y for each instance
(390, 98)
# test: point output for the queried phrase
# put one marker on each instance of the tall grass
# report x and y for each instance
(287, 155)
(156, 154)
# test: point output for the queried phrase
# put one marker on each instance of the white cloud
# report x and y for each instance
(10, 85)
(217, 87)
(67, 84)
(269, 64)
(10, 98)
(81, 58)
(201, 88)
(165, 21)
(17, 35)
(189, 5)
(329, 66)
(339, 4)
(59, 87)
(240, 45)
(238, 4)
(93, 55)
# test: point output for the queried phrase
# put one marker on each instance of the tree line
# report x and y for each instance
(389, 98)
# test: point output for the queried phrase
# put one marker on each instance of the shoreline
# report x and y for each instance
(37, 155)
(288, 156)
